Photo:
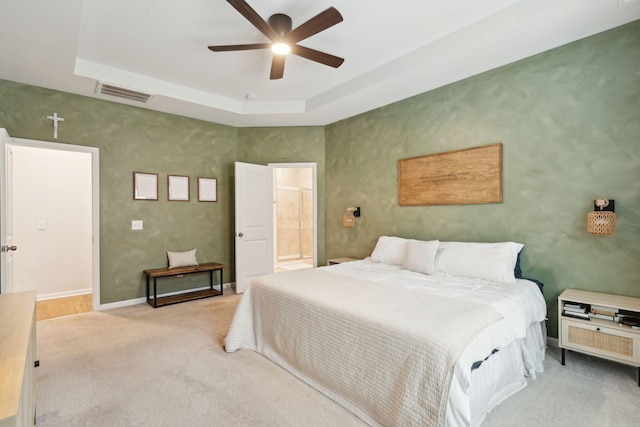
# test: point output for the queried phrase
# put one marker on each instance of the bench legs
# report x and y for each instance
(154, 302)
(211, 279)
(155, 293)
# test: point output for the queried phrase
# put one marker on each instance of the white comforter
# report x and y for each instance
(382, 341)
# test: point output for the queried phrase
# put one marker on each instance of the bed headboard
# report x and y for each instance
(517, 271)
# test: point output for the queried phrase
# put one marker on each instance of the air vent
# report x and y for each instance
(120, 92)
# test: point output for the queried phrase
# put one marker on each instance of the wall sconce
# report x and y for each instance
(349, 219)
(602, 221)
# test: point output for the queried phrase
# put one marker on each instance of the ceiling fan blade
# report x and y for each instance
(232, 47)
(317, 56)
(277, 67)
(253, 17)
(320, 22)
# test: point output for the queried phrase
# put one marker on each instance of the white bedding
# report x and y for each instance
(393, 346)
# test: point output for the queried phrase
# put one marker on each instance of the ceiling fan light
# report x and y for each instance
(280, 48)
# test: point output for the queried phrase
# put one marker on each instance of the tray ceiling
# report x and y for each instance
(392, 50)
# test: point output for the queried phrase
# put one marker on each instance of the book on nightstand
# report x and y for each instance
(630, 321)
(605, 311)
(575, 314)
(576, 306)
(602, 316)
(575, 309)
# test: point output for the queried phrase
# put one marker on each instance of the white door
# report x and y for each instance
(254, 222)
(6, 221)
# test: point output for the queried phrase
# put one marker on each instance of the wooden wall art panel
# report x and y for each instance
(461, 177)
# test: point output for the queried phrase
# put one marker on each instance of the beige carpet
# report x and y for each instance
(139, 366)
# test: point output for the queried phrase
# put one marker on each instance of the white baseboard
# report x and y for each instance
(64, 294)
(120, 304)
(143, 300)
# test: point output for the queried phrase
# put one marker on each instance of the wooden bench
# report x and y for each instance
(155, 273)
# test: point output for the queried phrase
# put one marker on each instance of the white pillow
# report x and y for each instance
(489, 261)
(389, 250)
(420, 256)
(182, 259)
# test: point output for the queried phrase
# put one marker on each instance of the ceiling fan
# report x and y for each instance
(283, 39)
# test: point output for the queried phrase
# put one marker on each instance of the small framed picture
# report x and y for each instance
(178, 188)
(207, 189)
(145, 186)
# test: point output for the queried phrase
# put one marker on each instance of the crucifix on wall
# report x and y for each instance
(55, 119)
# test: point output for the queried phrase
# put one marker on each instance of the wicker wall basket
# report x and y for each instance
(602, 223)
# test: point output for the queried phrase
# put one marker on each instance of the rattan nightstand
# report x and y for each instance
(597, 336)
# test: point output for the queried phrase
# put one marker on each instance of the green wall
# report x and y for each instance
(568, 119)
(569, 122)
(133, 139)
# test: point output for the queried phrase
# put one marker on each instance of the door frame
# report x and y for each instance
(314, 171)
(5, 140)
(95, 201)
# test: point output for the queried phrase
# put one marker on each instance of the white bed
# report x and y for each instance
(394, 346)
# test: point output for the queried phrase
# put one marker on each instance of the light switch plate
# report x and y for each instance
(41, 224)
(136, 224)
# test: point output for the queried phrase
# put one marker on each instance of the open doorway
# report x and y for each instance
(54, 205)
(256, 224)
(294, 217)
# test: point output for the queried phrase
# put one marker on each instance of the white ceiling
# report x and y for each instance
(392, 50)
